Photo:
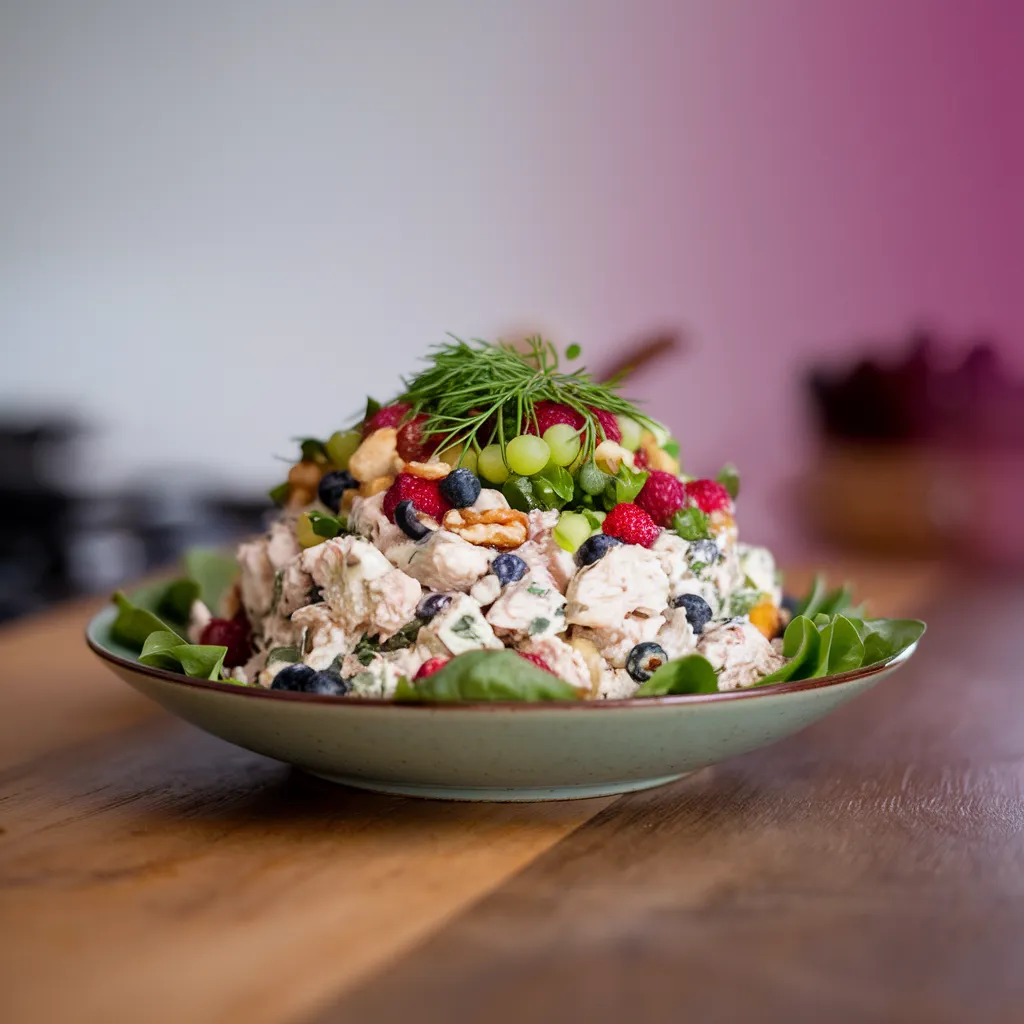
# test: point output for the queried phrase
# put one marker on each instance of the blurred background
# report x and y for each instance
(223, 223)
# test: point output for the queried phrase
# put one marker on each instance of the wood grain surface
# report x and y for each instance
(149, 872)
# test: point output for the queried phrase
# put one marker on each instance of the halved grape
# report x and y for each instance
(304, 532)
(451, 456)
(340, 446)
(571, 531)
(632, 432)
(491, 466)
(564, 442)
(527, 454)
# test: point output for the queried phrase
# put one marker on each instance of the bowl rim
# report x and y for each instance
(262, 693)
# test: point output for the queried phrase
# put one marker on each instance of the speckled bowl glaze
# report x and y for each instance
(491, 751)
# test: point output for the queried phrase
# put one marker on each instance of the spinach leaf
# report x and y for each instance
(313, 449)
(672, 447)
(847, 649)
(692, 524)
(692, 674)
(279, 494)
(553, 486)
(885, 638)
(214, 571)
(729, 477)
(176, 601)
(518, 492)
(134, 624)
(811, 603)
(324, 525)
(628, 483)
(164, 649)
(487, 675)
(801, 645)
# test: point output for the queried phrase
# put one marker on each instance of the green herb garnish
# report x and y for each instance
(729, 478)
(692, 524)
(475, 393)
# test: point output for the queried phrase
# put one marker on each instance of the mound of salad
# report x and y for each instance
(501, 530)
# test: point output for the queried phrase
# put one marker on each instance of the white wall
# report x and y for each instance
(222, 223)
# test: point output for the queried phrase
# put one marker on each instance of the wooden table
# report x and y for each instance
(869, 869)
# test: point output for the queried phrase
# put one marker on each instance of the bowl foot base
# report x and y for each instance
(500, 794)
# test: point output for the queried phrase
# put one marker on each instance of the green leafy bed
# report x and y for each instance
(826, 637)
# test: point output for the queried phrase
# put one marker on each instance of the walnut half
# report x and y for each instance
(503, 528)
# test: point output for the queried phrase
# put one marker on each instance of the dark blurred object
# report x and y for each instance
(921, 459)
(916, 400)
(35, 509)
(58, 541)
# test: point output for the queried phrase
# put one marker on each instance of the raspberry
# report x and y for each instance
(425, 496)
(428, 668)
(413, 444)
(709, 496)
(641, 459)
(550, 413)
(631, 524)
(387, 416)
(232, 634)
(536, 659)
(663, 495)
(609, 423)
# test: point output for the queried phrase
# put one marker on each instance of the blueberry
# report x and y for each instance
(303, 679)
(431, 605)
(406, 518)
(508, 568)
(460, 488)
(644, 660)
(705, 551)
(593, 549)
(333, 485)
(698, 611)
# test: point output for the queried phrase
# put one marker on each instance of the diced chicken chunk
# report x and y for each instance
(676, 636)
(615, 642)
(368, 520)
(738, 652)
(532, 606)
(627, 581)
(566, 662)
(458, 628)
(363, 590)
(443, 561)
(543, 552)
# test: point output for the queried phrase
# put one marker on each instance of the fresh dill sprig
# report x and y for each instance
(476, 393)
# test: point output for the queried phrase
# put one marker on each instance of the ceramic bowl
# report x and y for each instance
(492, 751)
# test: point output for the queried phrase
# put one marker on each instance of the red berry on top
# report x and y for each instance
(631, 524)
(641, 459)
(429, 667)
(709, 496)
(425, 496)
(662, 496)
(550, 413)
(413, 444)
(609, 424)
(386, 416)
(232, 634)
(536, 659)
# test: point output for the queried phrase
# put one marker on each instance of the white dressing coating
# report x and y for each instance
(628, 580)
(738, 652)
(532, 606)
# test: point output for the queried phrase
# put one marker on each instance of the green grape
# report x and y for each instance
(591, 479)
(491, 465)
(304, 533)
(596, 518)
(564, 442)
(340, 446)
(452, 455)
(527, 454)
(632, 432)
(572, 529)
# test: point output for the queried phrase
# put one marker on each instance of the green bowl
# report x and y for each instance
(492, 751)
